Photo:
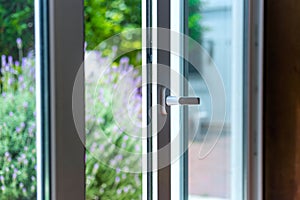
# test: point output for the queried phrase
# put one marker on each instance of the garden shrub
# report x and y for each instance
(17, 130)
(107, 165)
(104, 178)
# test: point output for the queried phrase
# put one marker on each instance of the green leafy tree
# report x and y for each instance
(104, 19)
(195, 19)
(16, 21)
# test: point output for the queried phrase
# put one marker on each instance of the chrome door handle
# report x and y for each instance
(174, 100)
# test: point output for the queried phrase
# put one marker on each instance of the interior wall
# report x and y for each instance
(282, 100)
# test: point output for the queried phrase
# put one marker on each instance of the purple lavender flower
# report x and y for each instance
(19, 43)
(115, 128)
(101, 93)
(21, 79)
(124, 61)
(7, 68)
(101, 147)
(96, 167)
(31, 89)
(117, 179)
(23, 156)
(113, 162)
(10, 60)
(32, 70)
(6, 154)
(10, 81)
(3, 57)
(93, 147)
(25, 105)
(23, 86)
(24, 62)
(1, 178)
(30, 130)
(137, 148)
(114, 49)
(119, 157)
(130, 68)
(18, 129)
(17, 63)
(30, 54)
(126, 189)
(119, 191)
(22, 125)
(125, 138)
(2, 187)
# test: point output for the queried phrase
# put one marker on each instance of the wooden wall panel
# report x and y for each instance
(282, 100)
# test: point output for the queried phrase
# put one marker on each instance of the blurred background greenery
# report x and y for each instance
(16, 21)
(103, 19)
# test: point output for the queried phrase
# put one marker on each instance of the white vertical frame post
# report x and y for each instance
(154, 99)
(176, 65)
(40, 24)
(145, 189)
(237, 101)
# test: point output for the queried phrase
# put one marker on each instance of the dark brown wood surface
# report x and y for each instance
(282, 100)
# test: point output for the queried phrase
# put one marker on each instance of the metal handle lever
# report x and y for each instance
(173, 100)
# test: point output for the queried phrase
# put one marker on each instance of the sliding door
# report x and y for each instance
(149, 99)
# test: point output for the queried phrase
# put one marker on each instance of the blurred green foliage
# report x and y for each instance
(104, 19)
(16, 21)
(195, 19)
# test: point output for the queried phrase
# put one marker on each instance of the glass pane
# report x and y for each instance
(215, 143)
(113, 79)
(17, 101)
